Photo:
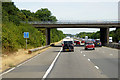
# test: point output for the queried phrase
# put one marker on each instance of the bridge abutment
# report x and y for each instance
(104, 36)
(47, 36)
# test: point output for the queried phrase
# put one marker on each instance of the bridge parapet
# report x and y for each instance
(71, 22)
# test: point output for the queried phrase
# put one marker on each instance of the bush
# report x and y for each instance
(12, 36)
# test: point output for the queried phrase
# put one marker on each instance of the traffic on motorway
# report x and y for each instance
(68, 43)
(72, 60)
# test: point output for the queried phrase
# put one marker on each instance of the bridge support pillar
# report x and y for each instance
(117, 28)
(104, 36)
(47, 36)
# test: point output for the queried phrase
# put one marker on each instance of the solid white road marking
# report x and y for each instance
(81, 51)
(88, 59)
(7, 71)
(27, 60)
(51, 66)
(19, 65)
(84, 55)
(96, 67)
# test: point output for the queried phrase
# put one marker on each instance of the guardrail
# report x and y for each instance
(112, 45)
(36, 49)
(70, 22)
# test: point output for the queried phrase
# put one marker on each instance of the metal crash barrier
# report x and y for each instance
(112, 45)
(36, 49)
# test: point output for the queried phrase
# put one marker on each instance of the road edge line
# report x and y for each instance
(8, 71)
(51, 66)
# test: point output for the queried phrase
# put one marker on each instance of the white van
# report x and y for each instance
(68, 44)
(110, 40)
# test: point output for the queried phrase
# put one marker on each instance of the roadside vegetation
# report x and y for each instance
(13, 29)
(96, 35)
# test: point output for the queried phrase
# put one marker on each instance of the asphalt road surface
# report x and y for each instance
(99, 63)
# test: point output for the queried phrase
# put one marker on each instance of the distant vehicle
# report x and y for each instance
(86, 37)
(83, 42)
(68, 37)
(68, 45)
(97, 39)
(110, 39)
(119, 42)
(93, 40)
(98, 43)
(89, 45)
(77, 42)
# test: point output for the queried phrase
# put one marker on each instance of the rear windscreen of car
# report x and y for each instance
(68, 42)
(90, 43)
(97, 41)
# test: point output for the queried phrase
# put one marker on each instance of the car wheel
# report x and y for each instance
(85, 48)
(93, 48)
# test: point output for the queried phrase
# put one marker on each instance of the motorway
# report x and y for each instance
(99, 63)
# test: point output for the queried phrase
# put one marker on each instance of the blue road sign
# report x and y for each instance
(26, 34)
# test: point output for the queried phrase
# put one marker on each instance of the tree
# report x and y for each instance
(45, 15)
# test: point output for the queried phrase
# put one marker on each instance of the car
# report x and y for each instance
(68, 45)
(77, 42)
(98, 43)
(93, 40)
(83, 41)
(89, 45)
(74, 41)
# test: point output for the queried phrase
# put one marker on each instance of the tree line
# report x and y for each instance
(96, 35)
(13, 29)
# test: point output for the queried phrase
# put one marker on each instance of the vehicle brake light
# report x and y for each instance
(62, 44)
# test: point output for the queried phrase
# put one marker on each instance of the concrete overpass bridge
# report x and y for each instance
(104, 27)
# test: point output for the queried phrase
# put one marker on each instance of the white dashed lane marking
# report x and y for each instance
(88, 59)
(51, 66)
(96, 67)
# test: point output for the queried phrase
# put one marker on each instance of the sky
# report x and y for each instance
(75, 10)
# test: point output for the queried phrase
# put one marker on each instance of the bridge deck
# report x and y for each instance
(104, 24)
(92, 25)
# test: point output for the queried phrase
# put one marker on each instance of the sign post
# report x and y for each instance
(26, 35)
(26, 43)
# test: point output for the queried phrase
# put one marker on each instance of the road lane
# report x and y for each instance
(95, 64)
(74, 65)
(36, 67)
(102, 57)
